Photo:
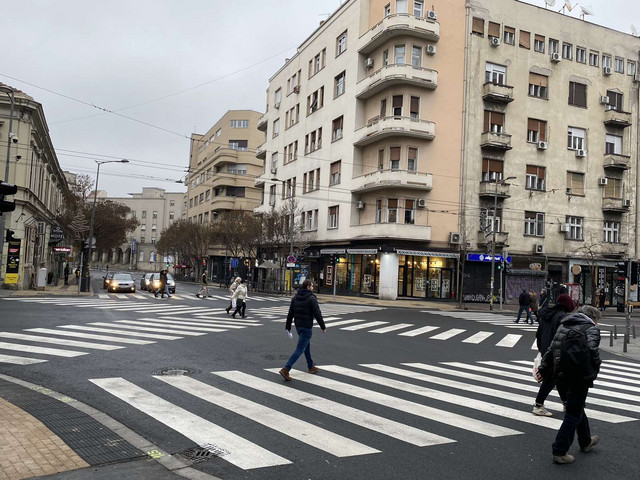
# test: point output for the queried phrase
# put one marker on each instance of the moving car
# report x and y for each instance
(144, 281)
(107, 279)
(122, 282)
(154, 283)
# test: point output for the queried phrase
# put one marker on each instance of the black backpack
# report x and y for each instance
(574, 363)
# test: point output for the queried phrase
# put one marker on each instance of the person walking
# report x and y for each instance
(603, 299)
(232, 288)
(544, 298)
(573, 359)
(548, 323)
(303, 310)
(240, 296)
(204, 286)
(525, 302)
(164, 287)
(66, 274)
(533, 306)
(77, 272)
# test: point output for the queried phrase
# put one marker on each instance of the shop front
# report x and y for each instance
(355, 271)
(428, 275)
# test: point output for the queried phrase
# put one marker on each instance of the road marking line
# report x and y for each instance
(19, 360)
(477, 337)
(58, 341)
(121, 332)
(418, 331)
(58, 352)
(344, 322)
(172, 325)
(363, 325)
(448, 334)
(509, 340)
(391, 328)
(147, 329)
(90, 336)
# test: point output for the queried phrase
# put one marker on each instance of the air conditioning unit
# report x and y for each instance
(569, 190)
(580, 153)
(564, 227)
(368, 63)
(296, 89)
(455, 238)
(360, 205)
(538, 248)
(556, 58)
(274, 170)
(432, 15)
(604, 100)
(276, 105)
(542, 145)
(430, 49)
(602, 181)
(606, 70)
(636, 77)
(422, 203)
(495, 41)
(626, 203)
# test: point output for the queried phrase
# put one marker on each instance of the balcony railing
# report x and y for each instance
(390, 230)
(618, 205)
(396, 74)
(494, 92)
(496, 141)
(262, 123)
(485, 237)
(261, 151)
(488, 189)
(399, 24)
(614, 160)
(615, 118)
(381, 179)
(384, 127)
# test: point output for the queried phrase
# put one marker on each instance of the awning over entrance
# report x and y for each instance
(268, 264)
(332, 251)
(421, 253)
(362, 251)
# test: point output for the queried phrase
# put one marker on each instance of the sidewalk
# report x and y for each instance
(60, 289)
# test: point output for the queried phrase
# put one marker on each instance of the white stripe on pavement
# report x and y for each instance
(147, 329)
(19, 360)
(107, 338)
(344, 322)
(477, 337)
(391, 328)
(157, 336)
(363, 325)
(59, 341)
(529, 365)
(172, 325)
(418, 331)
(58, 352)
(201, 323)
(241, 452)
(448, 334)
(509, 340)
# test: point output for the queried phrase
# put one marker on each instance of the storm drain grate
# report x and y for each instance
(204, 453)
(176, 371)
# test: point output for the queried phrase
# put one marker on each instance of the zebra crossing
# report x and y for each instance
(417, 404)
(184, 296)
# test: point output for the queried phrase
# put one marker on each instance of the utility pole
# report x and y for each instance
(10, 138)
(493, 240)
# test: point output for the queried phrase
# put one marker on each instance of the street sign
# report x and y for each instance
(134, 243)
(235, 262)
(62, 249)
(479, 257)
(56, 234)
(291, 259)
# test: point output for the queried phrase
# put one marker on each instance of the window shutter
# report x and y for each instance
(392, 203)
(539, 80)
(532, 170)
(581, 95)
(497, 118)
(415, 104)
(487, 116)
(542, 130)
(510, 30)
(397, 101)
(494, 29)
(408, 204)
(413, 153)
(394, 154)
(525, 39)
(532, 124)
(539, 38)
(478, 26)
(335, 167)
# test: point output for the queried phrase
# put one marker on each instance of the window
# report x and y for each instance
(606, 61)
(289, 188)
(494, 30)
(239, 123)
(631, 68)
(387, 10)
(340, 84)
(341, 43)
(615, 101)
(235, 191)
(336, 130)
(554, 46)
(381, 160)
(494, 73)
(333, 217)
(334, 173)
(208, 194)
(525, 40)
(536, 130)
(240, 145)
(310, 220)
(144, 214)
(575, 228)
(538, 85)
(141, 257)
(172, 203)
(414, 108)
(397, 105)
(575, 183)
(311, 181)
(619, 65)
(206, 217)
(277, 97)
(218, 132)
(613, 188)
(493, 121)
(538, 43)
(317, 63)
(272, 195)
(613, 144)
(385, 58)
(567, 51)
(577, 94)
(315, 101)
(477, 26)
(611, 231)
(274, 162)
(293, 83)
(398, 51)
(276, 127)
(401, 6)
(190, 202)
(491, 170)
(292, 116)
(313, 141)
(534, 223)
(378, 211)
(535, 177)
(143, 228)
(291, 152)
(576, 138)
(383, 108)
(581, 55)
(153, 239)
(416, 56)
(418, 8)
(171, 215)
(392, 210)
(409, 212)
(201, 198)
(394, 158)
(236, 169)
(594, 58)
(412, 159)
(489, 221)
(509, 35)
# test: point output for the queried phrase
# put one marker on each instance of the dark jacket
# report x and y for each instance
(551, 358)
(163, 279)
(544, 300)
(548, 323)
(304, 308)
(524, 299)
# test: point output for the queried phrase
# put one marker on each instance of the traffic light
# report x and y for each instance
(9, 236)
(621, 269)
(7, 189)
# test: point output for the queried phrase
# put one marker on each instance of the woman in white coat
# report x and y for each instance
(240, 296)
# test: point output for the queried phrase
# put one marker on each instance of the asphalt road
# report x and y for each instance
(366, 415)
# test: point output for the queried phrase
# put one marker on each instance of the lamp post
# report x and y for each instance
(493, 237)
(85, 269)
(10, 136)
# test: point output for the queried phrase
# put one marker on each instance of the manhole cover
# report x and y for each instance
(176, 371)
(204, 453)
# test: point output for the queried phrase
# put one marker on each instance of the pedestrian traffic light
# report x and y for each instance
(9, 236)
(7, 189)
(621, 269)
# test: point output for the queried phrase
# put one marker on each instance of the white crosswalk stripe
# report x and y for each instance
(91, 336)
(509, 340)
(448, 334)
(391, 328)
(363, 326)
(477, 337)
(418, 331)
(59, 352)
(58, 341)
(15, 360)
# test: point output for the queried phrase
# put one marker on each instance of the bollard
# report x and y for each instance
(615, 332)
(624, 344)
(633, 330)
(610, 338)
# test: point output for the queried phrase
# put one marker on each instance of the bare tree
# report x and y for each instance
(590, 252)
(187, 241)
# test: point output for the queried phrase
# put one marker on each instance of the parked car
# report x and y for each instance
(107, 279)
(122, 282)
(154, 283)
(144, 281)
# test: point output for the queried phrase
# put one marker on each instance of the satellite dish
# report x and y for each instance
(550, 3)
(634, 31)
(586, 10)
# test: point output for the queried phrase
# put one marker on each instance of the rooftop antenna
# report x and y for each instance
(568, 6)
(634, 31)
(549, 3)
(586, 11)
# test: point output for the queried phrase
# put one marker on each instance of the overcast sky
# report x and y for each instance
(177, 66)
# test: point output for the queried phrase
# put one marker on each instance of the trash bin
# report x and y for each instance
(42, 278)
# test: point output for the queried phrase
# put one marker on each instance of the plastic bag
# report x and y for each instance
(536, 364)
(233, 303)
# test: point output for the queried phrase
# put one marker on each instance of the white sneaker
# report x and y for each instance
(541, 411)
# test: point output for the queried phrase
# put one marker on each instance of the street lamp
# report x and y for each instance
(10, 137)
(85, 276)
(493, 238)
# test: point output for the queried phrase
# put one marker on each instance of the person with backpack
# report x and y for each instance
(525, 302)
(204, 286)
(573, 359)
(548, 323)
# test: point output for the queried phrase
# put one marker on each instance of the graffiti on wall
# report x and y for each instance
(516, 283)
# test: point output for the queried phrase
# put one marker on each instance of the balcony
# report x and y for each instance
(379, 128)
(614, 160)
(396, 25)
(381, 179)
(614, 118)
(262, 123)
(488, 189)
(495, 141)
(396, 74)
(493, 92)
(232, 180)
(224, 155)
(614, 205)
(395, 231)
(222, 202)
(486, 237)
(261, 152)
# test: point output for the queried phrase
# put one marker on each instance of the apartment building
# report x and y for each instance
(551, 140)
(363, 128)
(42, 186)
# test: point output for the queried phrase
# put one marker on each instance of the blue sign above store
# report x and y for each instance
(479, 257)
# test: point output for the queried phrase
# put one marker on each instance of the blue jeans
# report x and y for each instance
(166, 290)
(575, 420)
(304, 345)
(524, 309)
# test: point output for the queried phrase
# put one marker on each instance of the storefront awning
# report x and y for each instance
(267, 264)
(421, 253)
(332, 251)
(362, 251)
